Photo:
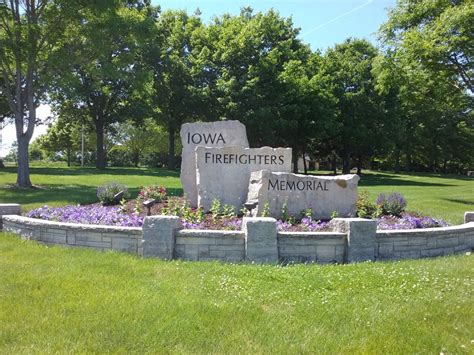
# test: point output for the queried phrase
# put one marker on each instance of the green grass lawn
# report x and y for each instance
(58, 186)
(55, 299)
(440, 196)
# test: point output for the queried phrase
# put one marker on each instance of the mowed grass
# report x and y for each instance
(55, 299)
(59, 186)
(441, 196)
(435, 195)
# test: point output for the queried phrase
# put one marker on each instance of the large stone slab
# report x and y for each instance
(224, 173)
(209, 134)
(323, 194)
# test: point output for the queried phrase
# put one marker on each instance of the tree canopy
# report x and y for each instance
(125, 71)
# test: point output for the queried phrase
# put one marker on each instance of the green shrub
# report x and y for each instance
(366, 208)
(266, 210)
(393, 204)
(106, 193)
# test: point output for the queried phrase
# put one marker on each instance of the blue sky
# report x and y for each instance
(323, 23)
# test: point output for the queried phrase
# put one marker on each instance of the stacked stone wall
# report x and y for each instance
(228, 246)
(353, 240)
(302, 247)
(125, 239)
(422, 243)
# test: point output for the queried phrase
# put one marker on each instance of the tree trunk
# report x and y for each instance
(305, 165)
(346, 163)
(171, 148)
(408, 162)
(359, 166)
(23, 177)
(397, 160)
(136, 159)
(68, 154)
(295, 160)
(99, 130)
(334, 163)
(1, 164)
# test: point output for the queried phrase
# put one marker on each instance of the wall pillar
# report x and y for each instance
(159, 236)
(261, 241)
(9, 209)
(361, 242)
(468, 217)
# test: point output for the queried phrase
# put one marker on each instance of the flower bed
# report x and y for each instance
(91, 214)
(122, 216)
(409, 221)
(389, 211)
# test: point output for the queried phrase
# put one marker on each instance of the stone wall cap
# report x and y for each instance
(160, 217)
(88, 227)
(428, 231)
(259, 219)
(311, 234)
(209, 233)
(354, 219)
(9, 205)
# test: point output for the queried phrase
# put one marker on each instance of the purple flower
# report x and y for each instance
(190, 225)
(282, 225)
(408, 221)
(102, 215)
(233, 224)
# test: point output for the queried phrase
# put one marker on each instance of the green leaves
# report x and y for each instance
(438, 34)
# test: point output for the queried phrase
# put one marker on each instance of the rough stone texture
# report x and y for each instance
(261, 239)
(468, 217)
(224, 173)
(209, 134)
(324, 194)
(421, 243)
(9, 209)
(225, 246)
(127, 239)
(311, 247)
(159, 236)
(361, 244)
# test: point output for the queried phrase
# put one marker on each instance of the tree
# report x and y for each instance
(248, 53)
(360, 118)
(262, 75)
(174, 58)
(139, 140)
(63, 136)
(29, 31)
(428, 68)
(431, 124)
(100, 71)
(438, 34)
(307, 105)
(5, 112)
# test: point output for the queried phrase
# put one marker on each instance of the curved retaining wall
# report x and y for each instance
(353, 240)
(421, 243)
(302, 247)
(125, 239)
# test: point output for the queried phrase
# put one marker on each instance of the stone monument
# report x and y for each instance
(224, 173)
(323, 194)
(208, 134)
